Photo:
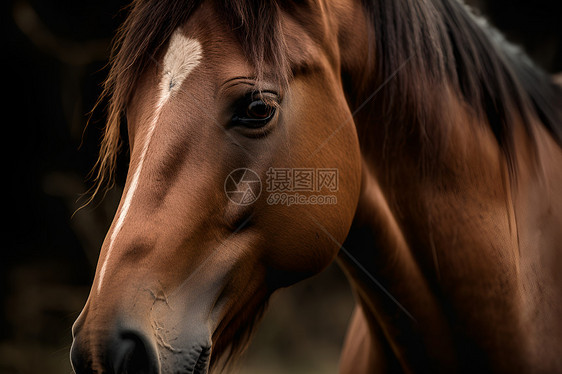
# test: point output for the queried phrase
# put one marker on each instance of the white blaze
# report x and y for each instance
(183, 55)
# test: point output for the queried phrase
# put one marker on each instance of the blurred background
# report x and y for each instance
(54, 56)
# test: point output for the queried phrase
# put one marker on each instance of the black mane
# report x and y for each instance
(445, 41)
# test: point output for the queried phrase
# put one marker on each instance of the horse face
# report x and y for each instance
(208, 226)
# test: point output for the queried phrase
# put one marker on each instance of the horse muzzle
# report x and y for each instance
(126, 349)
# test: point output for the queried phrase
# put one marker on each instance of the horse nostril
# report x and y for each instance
(133, 354)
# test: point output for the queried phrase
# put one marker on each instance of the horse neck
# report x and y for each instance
(391, 275)
(435, 239)
(418, 171)
(438, 211)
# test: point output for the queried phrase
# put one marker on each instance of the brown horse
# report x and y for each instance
(443, 143)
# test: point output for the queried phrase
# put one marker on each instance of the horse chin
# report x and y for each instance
(194, 360)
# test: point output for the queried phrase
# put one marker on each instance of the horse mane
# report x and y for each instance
(437, 43)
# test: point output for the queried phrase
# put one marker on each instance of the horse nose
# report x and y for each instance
(128, 352)
(132, 353)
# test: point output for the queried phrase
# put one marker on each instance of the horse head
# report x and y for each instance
(214, 121)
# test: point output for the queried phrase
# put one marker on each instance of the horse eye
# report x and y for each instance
(253, 113)
(259, 110)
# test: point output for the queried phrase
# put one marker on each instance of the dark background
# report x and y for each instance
(54, 59)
